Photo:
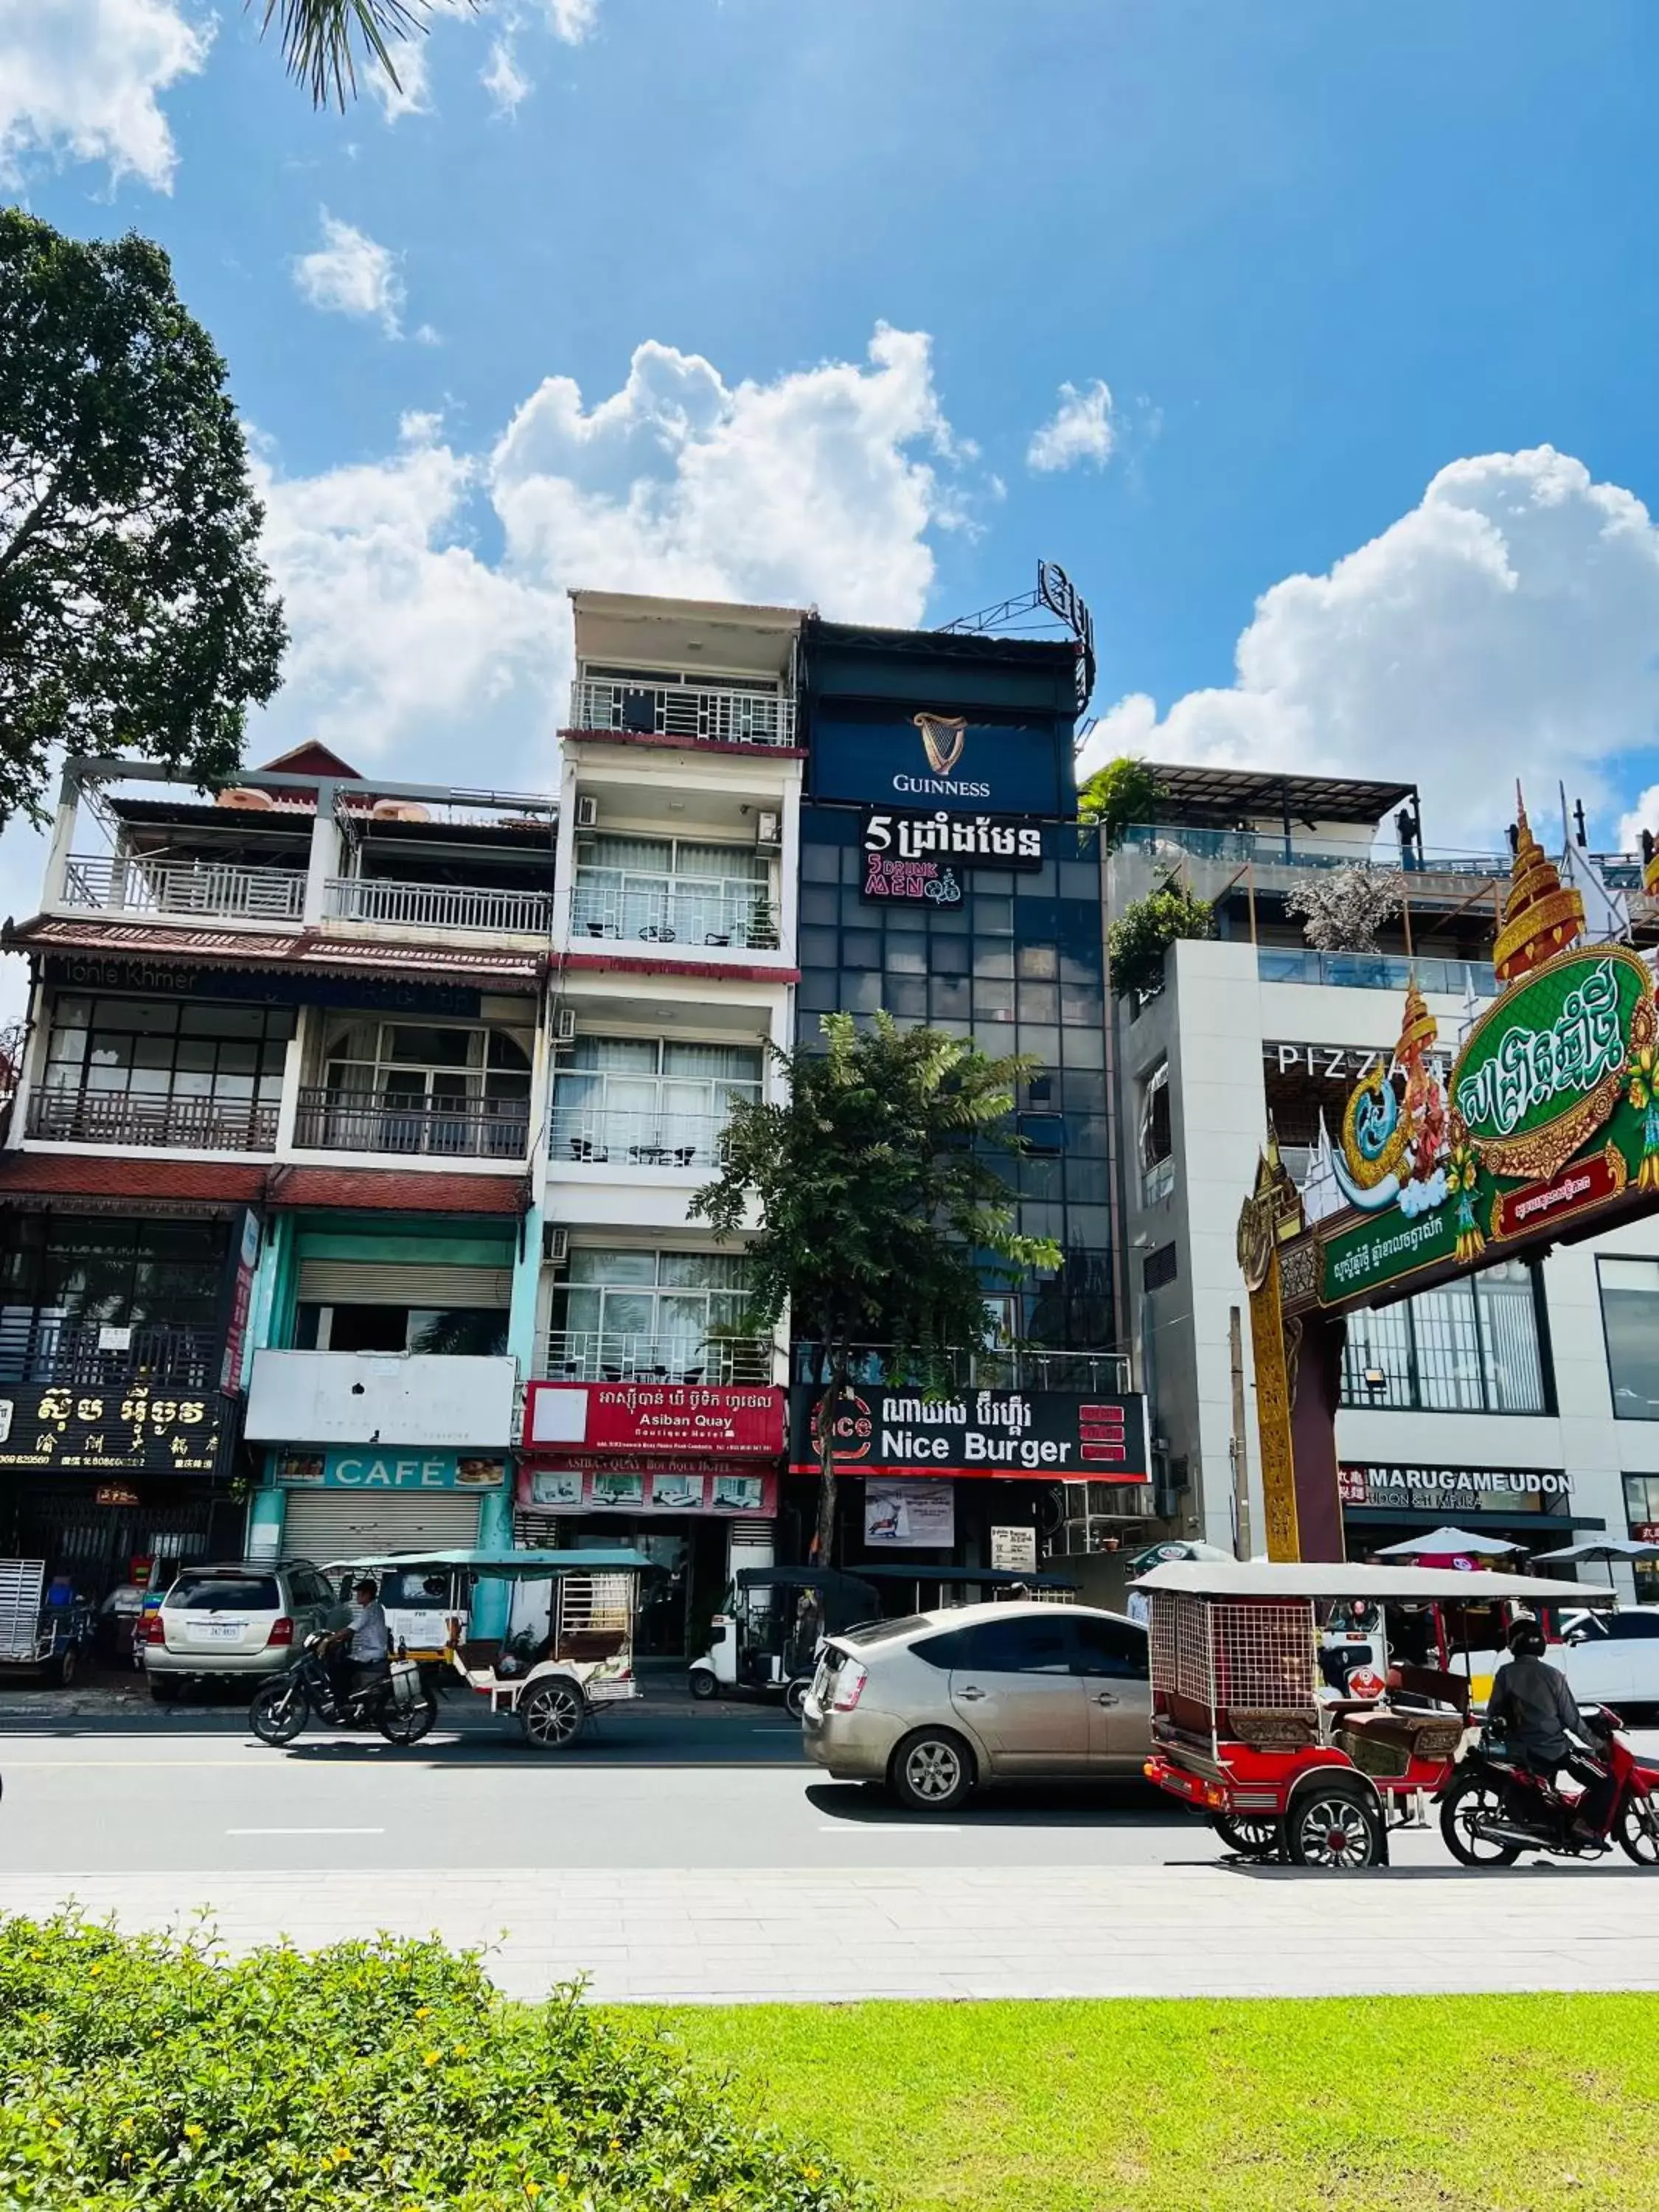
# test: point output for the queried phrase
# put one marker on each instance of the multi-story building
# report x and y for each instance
(270, 1163)
(654, 1417)
(1528, 1395)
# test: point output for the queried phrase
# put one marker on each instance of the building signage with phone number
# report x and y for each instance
(129, 1430)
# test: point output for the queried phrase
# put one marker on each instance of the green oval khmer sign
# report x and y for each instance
(1549, 1054)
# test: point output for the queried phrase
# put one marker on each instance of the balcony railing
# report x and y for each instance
(439, 906)
(226, 890)
(38, 1346)
(675, 910)
(607, 1356)
(1012, 1367)
(595, 1137)
(120, 1117)
(644, 709)
(371, 1122)
(1375, 971)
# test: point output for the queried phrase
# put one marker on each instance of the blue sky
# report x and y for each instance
(1322, 257)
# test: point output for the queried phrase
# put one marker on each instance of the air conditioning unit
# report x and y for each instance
(564, 1025)
(587, 813)
(556, 1244)
(768, 831)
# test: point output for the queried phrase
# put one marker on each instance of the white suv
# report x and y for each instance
(244, 1622)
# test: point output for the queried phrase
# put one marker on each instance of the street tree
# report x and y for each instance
(136, 615)
(883, 1218)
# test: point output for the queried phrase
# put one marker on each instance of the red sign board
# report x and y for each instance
(1536, 1205)
(745, 1420)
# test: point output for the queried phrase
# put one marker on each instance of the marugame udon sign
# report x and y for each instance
(1545, 1130)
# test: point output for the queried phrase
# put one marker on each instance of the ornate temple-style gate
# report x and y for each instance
(1546, 1131)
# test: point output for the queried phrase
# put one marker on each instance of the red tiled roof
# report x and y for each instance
(651, 964)
(310, 759)
(98, 1175)
(386, 1190)
(306, 948)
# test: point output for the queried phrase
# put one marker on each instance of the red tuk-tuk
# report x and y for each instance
(1283, 1751)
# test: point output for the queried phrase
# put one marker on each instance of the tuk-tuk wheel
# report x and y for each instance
(794, 1696)
(551, 1714)
(1255, 1839)
(1335, 1826)
(703, 1684)
(64, 1667)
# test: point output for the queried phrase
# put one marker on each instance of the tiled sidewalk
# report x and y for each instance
(1021, 1932)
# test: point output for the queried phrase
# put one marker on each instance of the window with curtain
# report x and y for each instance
(674, 889)
(621, 1315)
(420, 1064)
(1472, 1346)
(648, 1101)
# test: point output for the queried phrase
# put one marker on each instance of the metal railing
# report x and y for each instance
(675, 910)
(373, 1122)
(42, 1347)
(610, 1356)
(136, 1118)
(439, 906)
(226, 890)
(595, 1136)
(1012, 1367)
(1375, 971)
(645, 709)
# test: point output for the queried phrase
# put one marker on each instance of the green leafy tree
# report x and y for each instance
(319, 38)
(1138, 940)
(1125, 791)
(883, 1218)
(136, 615)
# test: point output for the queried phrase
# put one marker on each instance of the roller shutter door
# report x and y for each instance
(365, 1283)
(333, 1524)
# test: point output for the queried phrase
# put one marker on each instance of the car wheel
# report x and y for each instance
(164, 1689)
(1334, 1826)
(932, 1770)
(279, 1710)
(1638, 1831)
(407, 1724)
(703, 1684)
(1254, 1840)
(1476, 1797)
(551, 1715)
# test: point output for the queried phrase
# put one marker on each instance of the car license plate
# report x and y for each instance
(218, 1632)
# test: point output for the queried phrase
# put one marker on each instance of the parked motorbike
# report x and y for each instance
(397, 1703)
(1492, 1808)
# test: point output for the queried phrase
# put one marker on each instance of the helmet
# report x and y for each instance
(1526, 1638)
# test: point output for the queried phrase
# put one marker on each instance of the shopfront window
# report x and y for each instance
(1630, 1321)
(1473, 1346)
(673, 1317)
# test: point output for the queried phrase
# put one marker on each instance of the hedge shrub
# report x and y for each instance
(141, 2072)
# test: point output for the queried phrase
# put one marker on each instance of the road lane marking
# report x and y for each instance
(305, 1831)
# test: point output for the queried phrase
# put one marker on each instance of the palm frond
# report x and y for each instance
(319, 40)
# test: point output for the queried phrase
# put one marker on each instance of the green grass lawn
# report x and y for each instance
(1462, 2105)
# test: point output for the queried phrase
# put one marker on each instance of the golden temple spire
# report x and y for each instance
(1540, 918)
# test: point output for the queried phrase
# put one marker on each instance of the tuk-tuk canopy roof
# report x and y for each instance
(513, 1566)
(830, 1580)
(1319, 1579)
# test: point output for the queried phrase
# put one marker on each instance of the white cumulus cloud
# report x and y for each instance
(817, 486)
(1505, 627)
(503, 79)
(81, 79)
(412, 92)
(1080, 429)
(350, 274)
(572, 20)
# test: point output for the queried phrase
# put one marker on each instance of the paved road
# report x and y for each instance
(683, 1854)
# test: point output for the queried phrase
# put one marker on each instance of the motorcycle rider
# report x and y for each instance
(360, 1652)
(1534, 1707)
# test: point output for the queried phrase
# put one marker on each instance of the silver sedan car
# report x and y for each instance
(941, 1703)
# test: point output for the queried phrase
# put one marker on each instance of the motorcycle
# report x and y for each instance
(397, 1703)
(1492, 1808)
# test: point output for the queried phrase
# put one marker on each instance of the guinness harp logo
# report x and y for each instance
(943, 737)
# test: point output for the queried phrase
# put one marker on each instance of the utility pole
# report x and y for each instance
(1236, 1442)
